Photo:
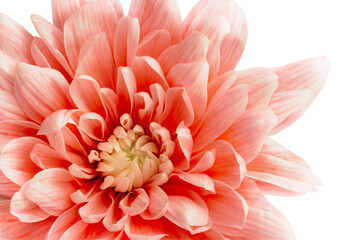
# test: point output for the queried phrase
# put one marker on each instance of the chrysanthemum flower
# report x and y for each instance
(138, 127)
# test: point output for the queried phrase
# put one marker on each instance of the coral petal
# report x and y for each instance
(95, 210)
(154, 43)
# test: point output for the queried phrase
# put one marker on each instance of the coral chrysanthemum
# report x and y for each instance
(138, 127)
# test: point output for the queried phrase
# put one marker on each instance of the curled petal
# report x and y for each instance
(126, 88)
(93, 125)
(96, 209)
(135, 202)
(45, 157)
(184, 145)
(158, 203)
(115, 218)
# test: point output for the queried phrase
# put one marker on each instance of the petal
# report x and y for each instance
(25, 210)
(9, 107)
(93, 125)
(140, 229)
(135, 202)
(306, 74)
(193, 77)
(233, 44)
(52, 37)
(158, 203)
(263, 220)
(40, 91)
(7, 72)
(261, 82)
(228, 166)
(200, 180)
(63, 222)
(187, 209)
(278, 171)
(15, 41)
(159, 14)
(248, 133)
(226, 208)
(96, 61)
(83, 230)
(7, 187)
(91, 19)
(193, 48)
(289, 106)
(62, 9)
(45, 157)
(95, 210)
(148, 71)
(126, 88)
(11, 129)
(13, 228)
(115, 218)
(184, 145)
(178, 108)
(15, 159)
(154, 43)
(221, 113)
(126, 40)
(51, 189)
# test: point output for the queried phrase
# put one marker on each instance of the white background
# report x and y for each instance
(327, 136)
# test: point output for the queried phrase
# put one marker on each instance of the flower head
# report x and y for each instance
(117, 127)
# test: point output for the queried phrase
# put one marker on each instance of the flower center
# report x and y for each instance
(130, 158)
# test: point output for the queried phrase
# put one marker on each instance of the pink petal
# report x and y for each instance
(91, 19)
(86, 94)
(228, 167)
(233, 44)
(193, 48)
(227, 208)
(52, 37)
(15, 159)
(95, 210)
(83, 230)
(126, 88)
(143, 108)
(63, 222)
(115, 218)
(278, 171)
(215, 28)
(187, 209)
(262, 84)
(203, 161)
(96, 61)
(158, 97)
(148, 71)
(263, 220)
(248, 133)
(13, 228)
(111, 103)
(135, 202)
(43, 86)
(51, 189)
(159, 14)
(289, 106)
(126, 41)
(15, 41)
(11, 129)
(25, 210)
(45, 157)
(221, 113)
(178, 108)
(7, 187)
(139, 229)
(93, 125)
(7, 72)
(158, 203)
(62, 9)
(307, 74)
(193, 77)
(200, 180)
(184, 145)
(9, 107)
(154, 43)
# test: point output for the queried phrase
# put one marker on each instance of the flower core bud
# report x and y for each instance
(130, 158)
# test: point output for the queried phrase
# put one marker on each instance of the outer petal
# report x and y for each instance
(158, 14)
(12, 228)
(154, 43)
(93, 18)
(63, 222)
(278, 171)
(95, 210)
(96, 60)
(221, 113)
(158, 203)
(15, 160)
(263, 220)
(45, 87)
(7, 72)
(82, 230)
(126, 41)
(178, 108)
(15, 41)
(45, 157)
(248, 133)
(9, 107)
(62, 9)
(7, 187)
(51, 189)
(233, 44)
